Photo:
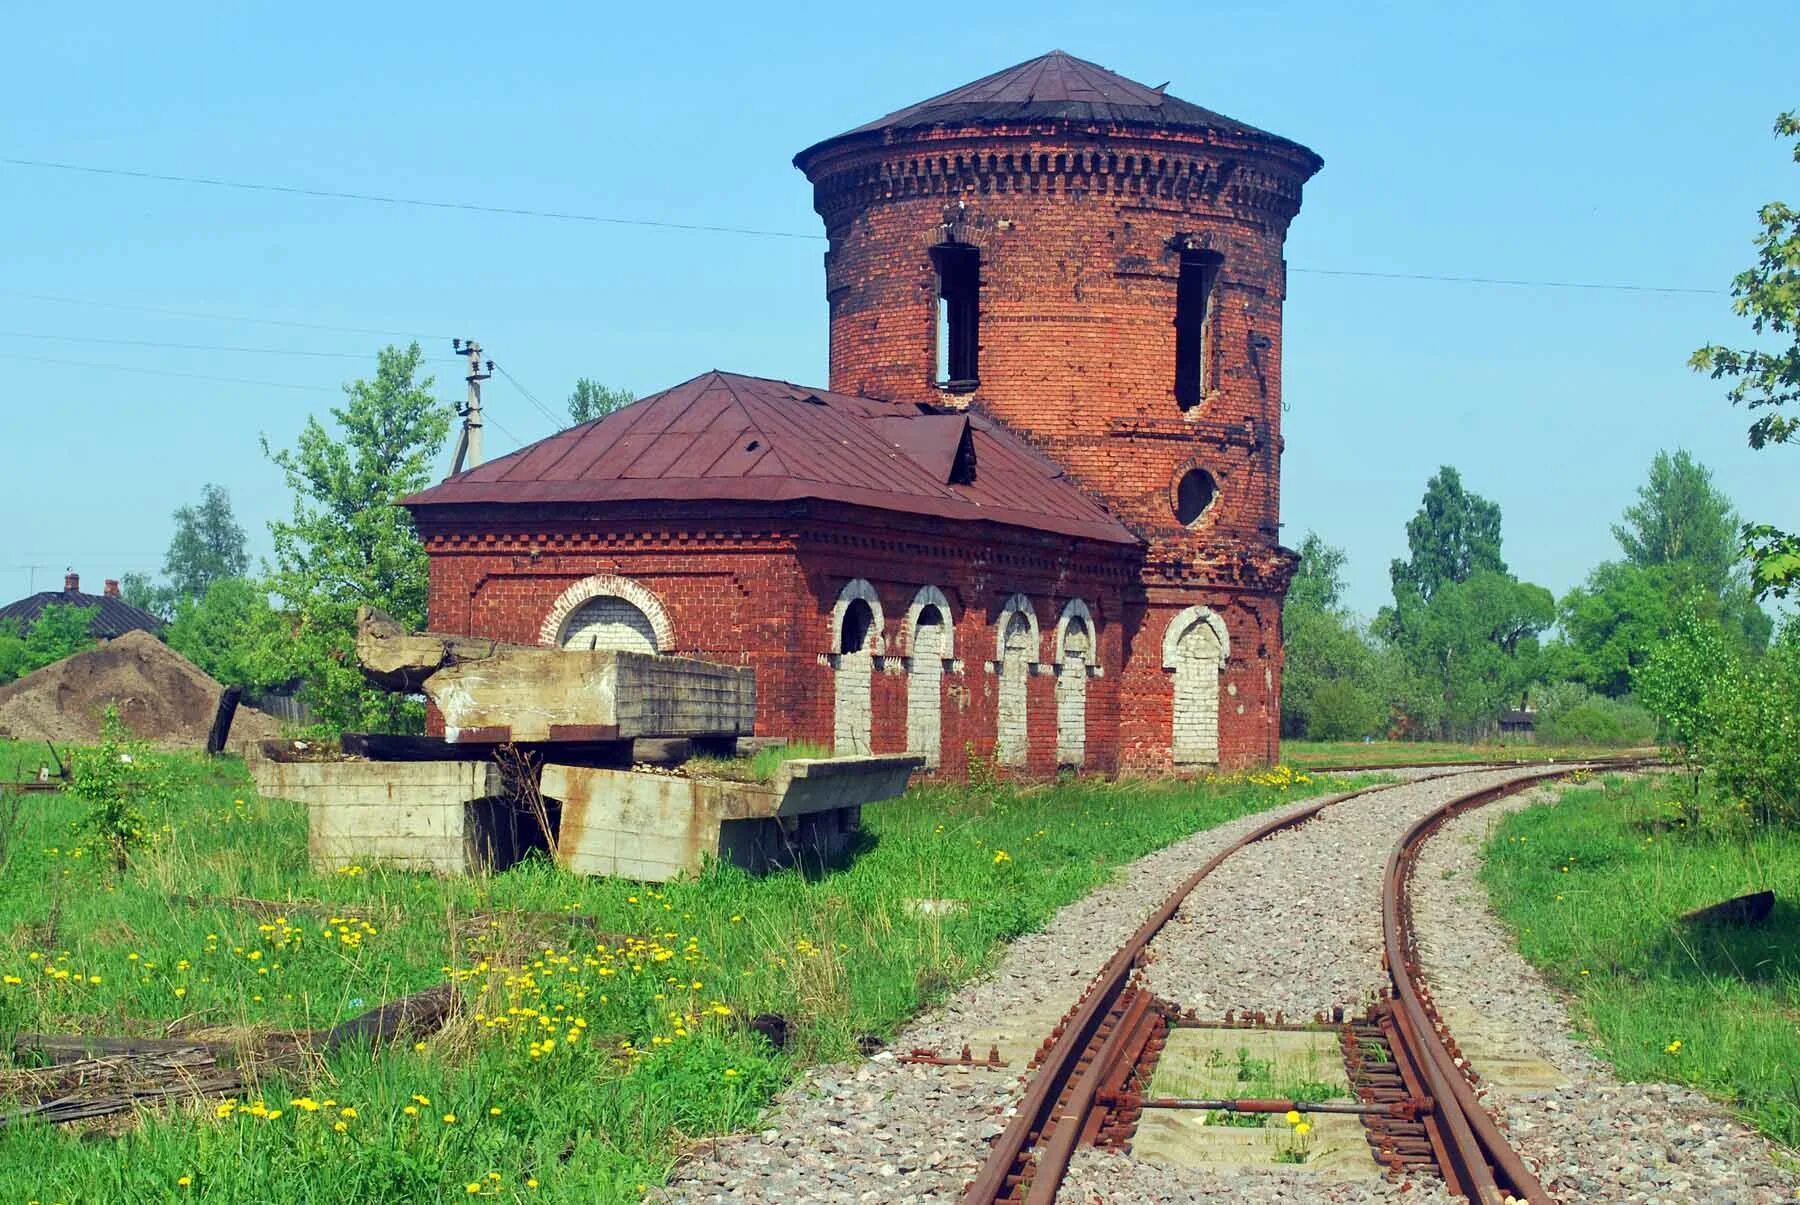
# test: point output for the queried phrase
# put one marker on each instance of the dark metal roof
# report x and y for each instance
(1054, 85)
(114, 617)
(725, 437)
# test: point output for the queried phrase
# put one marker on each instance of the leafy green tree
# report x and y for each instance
(208, 545)
(141, 591)
(1326, 685)
(1455, 535)
(1682, 520)
(60, 630)
(1612, 622)
(1676, 680)
(235, 635)
(1768, 293)
(1476, 643)
(593, 400)
(347, 542)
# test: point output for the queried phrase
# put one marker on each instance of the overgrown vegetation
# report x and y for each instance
(1595, 885)
(60, 630)
(587, 1058)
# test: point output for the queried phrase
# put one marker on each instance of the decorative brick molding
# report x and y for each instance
(1075, 608)
(929, 596)
(1178, 627)
(854, 589)
(1019, 604)
(602, 585)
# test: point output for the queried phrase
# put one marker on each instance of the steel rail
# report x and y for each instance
(1036, 1110)
(1469, 1149)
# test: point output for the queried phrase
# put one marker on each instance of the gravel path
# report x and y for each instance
(1598, 1138)
(1291, 923)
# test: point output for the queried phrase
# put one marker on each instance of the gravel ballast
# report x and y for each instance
(1291, 923)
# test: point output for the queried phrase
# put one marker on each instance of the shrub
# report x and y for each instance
(1569, 714)
(1751, 743)
(1341, 711)
(117, 780)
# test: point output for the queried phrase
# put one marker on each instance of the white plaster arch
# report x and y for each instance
(601, 585)
(1017, 603)
(1075, 608)
(854, 589)
(929, 596)
(1179, 626)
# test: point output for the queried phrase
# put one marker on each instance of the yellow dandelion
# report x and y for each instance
(449, 1119)
(184, 1181)
(1303, 1129)
(1293, 1117)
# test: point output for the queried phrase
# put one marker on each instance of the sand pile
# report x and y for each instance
(162, 698)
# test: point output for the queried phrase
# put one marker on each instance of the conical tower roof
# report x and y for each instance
(1052, 86)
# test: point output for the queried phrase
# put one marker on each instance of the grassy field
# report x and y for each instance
(1324, 754)
(585, 1061)
(1595, 885)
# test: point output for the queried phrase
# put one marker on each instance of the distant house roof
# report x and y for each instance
(725, 437)
(1051, 86)
(114, 618)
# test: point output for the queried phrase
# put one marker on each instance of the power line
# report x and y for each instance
(158, 343)
(560, 215)
(416, 202)
(529, 396)
(166, 372)
(1497, 280)
(215, 317)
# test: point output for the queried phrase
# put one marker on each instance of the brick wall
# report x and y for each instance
(744, 587)
(1080, 234)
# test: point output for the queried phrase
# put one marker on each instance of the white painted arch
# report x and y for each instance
(854, 589)
(1074, 609)
(1183, 623)
(603, 585)
(929, 596)
(1018, 604)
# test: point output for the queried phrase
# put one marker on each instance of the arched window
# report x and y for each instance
(1017, 649)
(608, 623)
(609, 613)
(855, 639)
(930, 644)
(1196, 645)
(1076, 658)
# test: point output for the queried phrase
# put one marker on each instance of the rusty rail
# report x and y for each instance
(1075, 1056)
(1082, 1064)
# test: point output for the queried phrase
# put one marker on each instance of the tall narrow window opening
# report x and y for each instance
(1193, 325)
(958, 314)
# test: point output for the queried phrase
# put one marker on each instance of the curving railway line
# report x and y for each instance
(1416, 1094)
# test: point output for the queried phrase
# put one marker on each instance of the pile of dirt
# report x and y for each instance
(162, 697)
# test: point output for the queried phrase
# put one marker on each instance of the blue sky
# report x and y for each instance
(1570, 142)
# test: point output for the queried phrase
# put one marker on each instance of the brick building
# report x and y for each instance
(1035, 516)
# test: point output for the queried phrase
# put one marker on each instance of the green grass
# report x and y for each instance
(655, 998)
(21, 760)
(1324, 754)
(1594, 886)
(758, 767)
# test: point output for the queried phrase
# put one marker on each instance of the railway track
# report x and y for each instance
(1416, 1094)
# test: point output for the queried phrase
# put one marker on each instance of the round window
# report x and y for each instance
(1194, 495)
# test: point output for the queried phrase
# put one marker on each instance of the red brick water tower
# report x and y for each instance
(1098, 265)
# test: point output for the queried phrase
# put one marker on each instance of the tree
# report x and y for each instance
(593, 400)
(1682, 520)
(1455, 535)
(208, 545)
(59, 631)
(1475, 643)
(235, 635)
(1768, 293)
(1613, 621)
(348, 543)
(140, 591)
(1326, 680)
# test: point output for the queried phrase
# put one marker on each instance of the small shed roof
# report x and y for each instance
(1050, 86)
(726, 437)
(113, 618)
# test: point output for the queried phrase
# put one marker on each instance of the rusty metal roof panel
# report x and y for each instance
(1052, 86)
(726, 437)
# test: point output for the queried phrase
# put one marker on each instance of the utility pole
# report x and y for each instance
(468, 444)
